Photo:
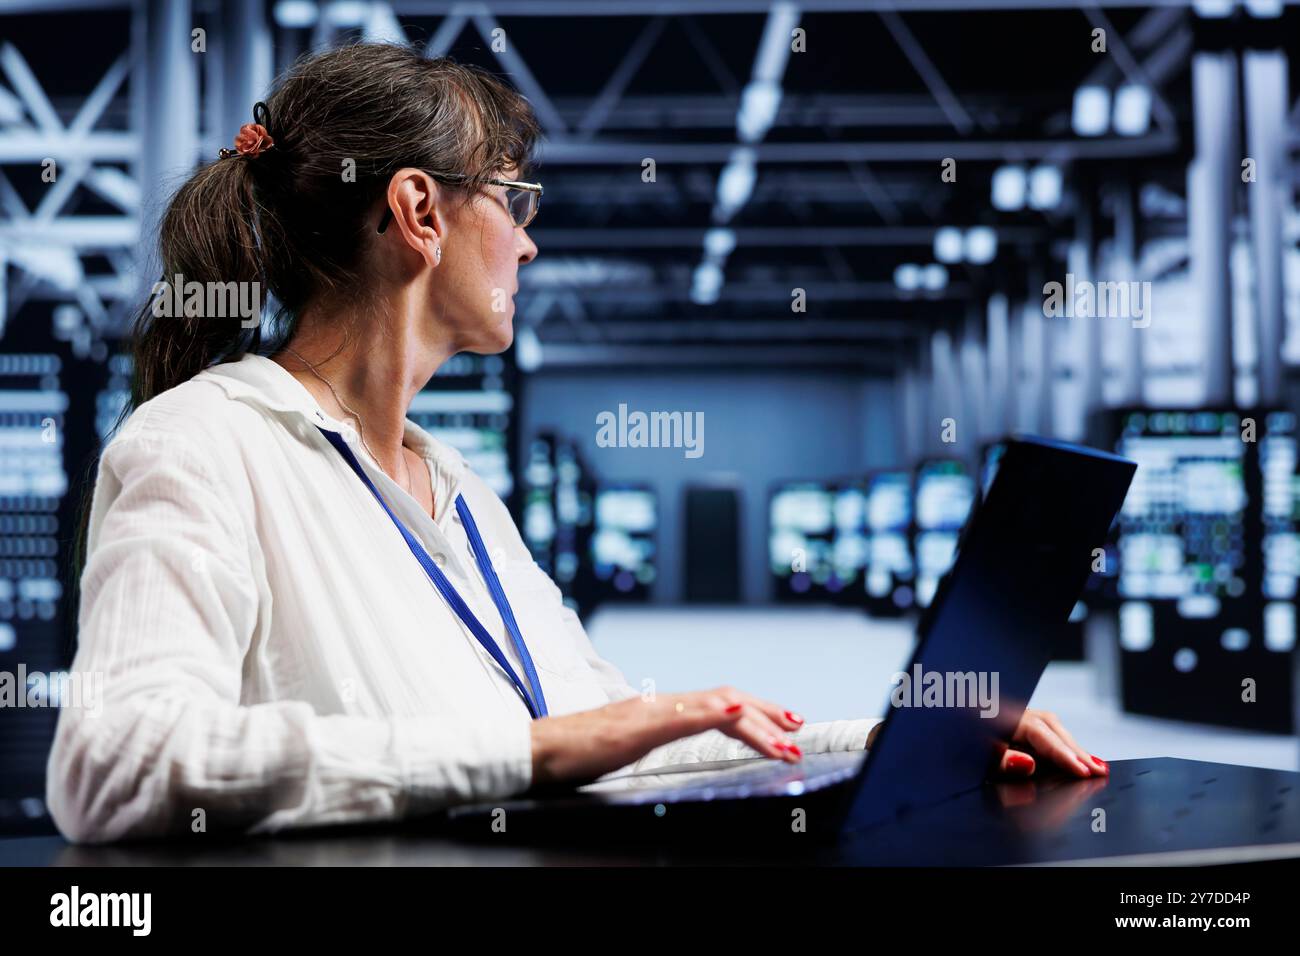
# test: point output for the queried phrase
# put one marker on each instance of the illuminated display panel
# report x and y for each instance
(800, 544)
(1208, 565)
(944, 495)
(850, 543)
(557, 516)
(891, 573)
(34, 508)
(623, 539)
(1183, 524)
(1281, 509)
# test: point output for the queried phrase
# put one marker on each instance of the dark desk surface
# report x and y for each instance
(1158, 811)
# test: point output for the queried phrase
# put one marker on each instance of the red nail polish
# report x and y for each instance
(794, 717)
(734, 708)
(1020, 762)
(794, 749)
(1104, 766)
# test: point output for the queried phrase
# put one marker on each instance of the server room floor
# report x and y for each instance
(823, 663)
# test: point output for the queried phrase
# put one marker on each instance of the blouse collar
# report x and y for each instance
(263, 382)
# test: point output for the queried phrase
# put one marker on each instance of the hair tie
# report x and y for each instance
(252, 140)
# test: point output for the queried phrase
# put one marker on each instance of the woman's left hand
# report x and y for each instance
(1042, 732)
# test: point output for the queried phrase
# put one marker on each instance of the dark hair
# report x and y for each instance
(296, 218)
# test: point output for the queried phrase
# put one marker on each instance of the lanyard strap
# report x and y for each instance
(536, 703)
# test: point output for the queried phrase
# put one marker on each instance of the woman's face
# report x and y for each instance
(478, 275)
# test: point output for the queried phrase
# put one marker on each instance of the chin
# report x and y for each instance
(495, 340)
(504, 333)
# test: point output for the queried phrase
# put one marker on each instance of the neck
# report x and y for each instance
(377, 373)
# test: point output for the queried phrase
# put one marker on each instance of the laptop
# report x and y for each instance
(1022, 561)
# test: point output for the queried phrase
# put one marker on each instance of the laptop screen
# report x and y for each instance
(1021, 564)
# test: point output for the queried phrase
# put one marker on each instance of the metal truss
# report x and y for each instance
(47, 244)
(156, 82)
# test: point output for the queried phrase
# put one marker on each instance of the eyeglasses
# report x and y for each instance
(522, 199)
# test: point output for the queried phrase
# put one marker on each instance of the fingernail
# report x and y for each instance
(1020, 762)
(777, 744)
(790, 715)
(794, 749)
(734, 708)
(1101, 763)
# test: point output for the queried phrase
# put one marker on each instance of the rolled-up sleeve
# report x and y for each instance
(169, 608)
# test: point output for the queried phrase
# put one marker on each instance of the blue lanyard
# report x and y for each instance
(536, 703)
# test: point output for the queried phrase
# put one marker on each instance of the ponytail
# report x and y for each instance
(208, 234)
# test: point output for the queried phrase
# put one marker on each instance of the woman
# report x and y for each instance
(304, 606)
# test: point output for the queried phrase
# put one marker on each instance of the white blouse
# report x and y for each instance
(272, 655)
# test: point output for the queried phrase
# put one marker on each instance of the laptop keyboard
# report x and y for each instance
(760, 777)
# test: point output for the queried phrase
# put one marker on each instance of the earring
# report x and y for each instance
(437, 253)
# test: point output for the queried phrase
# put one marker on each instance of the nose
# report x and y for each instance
(527, 248)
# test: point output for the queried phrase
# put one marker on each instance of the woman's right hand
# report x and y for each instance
(583, 746)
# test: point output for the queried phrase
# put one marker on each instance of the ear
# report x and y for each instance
(418, 206)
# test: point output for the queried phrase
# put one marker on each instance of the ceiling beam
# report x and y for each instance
(775, 236)
(647, 8)
(929, 73)
(572, 152)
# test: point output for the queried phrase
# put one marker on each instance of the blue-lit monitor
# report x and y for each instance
(36, 520)
(1208, 564)
(850, 543)
(623, 540)
(1281, 517)
(801, 538)
(945, 492)
(891, 572)
(539, 525)
(1183, 524)
(556, 515)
